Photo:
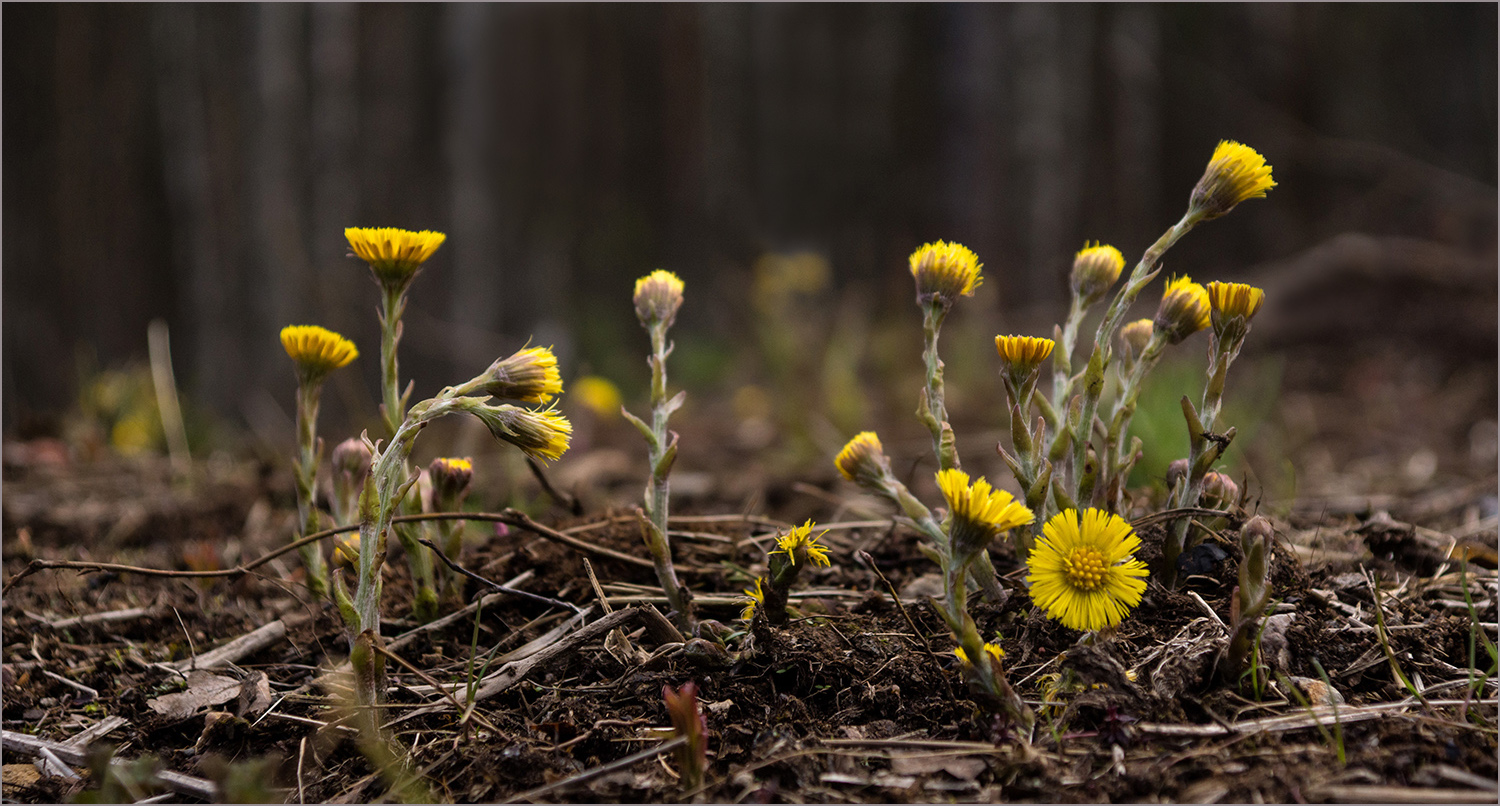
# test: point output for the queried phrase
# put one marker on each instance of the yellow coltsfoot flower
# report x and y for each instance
(395, 255)
(1023, 353)
(863, 460)
(539, 433)
(1183, 310)
(530, 376)
(1083, 570)
(1234, 299)
(451, 477)
(979, 512)
(1095, 269)
(754, 598)
(992, 650)
(1236, 172)
(945, 271)
(599, 395)
(317, 351)
(658, 296)
(801, 542)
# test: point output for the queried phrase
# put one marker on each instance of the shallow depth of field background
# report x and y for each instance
(199, 163)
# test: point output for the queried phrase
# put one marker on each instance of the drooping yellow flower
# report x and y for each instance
(657, 298)
(1095, 269)
(1023, 352)
(530, 375)
(979, 512)
(1234, 299)
(993, 650)
(1183, 310)
(801, 540)
(945, 271)
(600, 395)
(539, 433)
(1235, 173)
(316, 350)
(755, 598)
(863, 459)
(1083, 570)
(1135, 336)
(395, 255)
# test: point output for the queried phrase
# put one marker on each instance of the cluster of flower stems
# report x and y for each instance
(1071, 462)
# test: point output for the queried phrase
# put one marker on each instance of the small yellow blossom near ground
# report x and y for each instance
(599, 395)
(1083, 569)
(801, 538)
(756, 597)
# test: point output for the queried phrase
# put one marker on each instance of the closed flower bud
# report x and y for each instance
(1176, 472)
(1219, 491)
(351, 463)
(1183, 310)
(1135, 336)
(450, 479)
(1095, 269)
(1235, 173)
(658, 296)
(395, 255)
(944, 272)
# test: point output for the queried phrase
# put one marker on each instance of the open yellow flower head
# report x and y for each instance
(945, 271)
(800, 541)
(979, 512)
(529, 375)
(658, 296)
(395, 255)
(1095, 269)
(992, 650)
(1023, 353)
(539, 433)
(863, 459)
(1183, 310)
(1234, 299)
(754, 598)
(599, 395)
(316, 350)
(1135, 336)
(1083, 570)
(1235, 173)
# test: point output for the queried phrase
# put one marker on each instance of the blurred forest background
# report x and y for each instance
(198, 164)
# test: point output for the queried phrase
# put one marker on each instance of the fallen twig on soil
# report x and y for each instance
(71, 754)
(1312, 718)
(247, 644)
(603, 769)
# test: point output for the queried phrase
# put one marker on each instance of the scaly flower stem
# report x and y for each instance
(1093, 379)
(1222, 353)
(308, 395)
(393, 306)
(1062, 360)
(934, 412)
(1124, 410)
(663, 452)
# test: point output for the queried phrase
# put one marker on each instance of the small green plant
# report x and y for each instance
(658, 297)
(688, 723)
(1250, 598)
(794, 551)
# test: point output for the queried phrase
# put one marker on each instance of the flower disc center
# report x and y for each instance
(1085, 568)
